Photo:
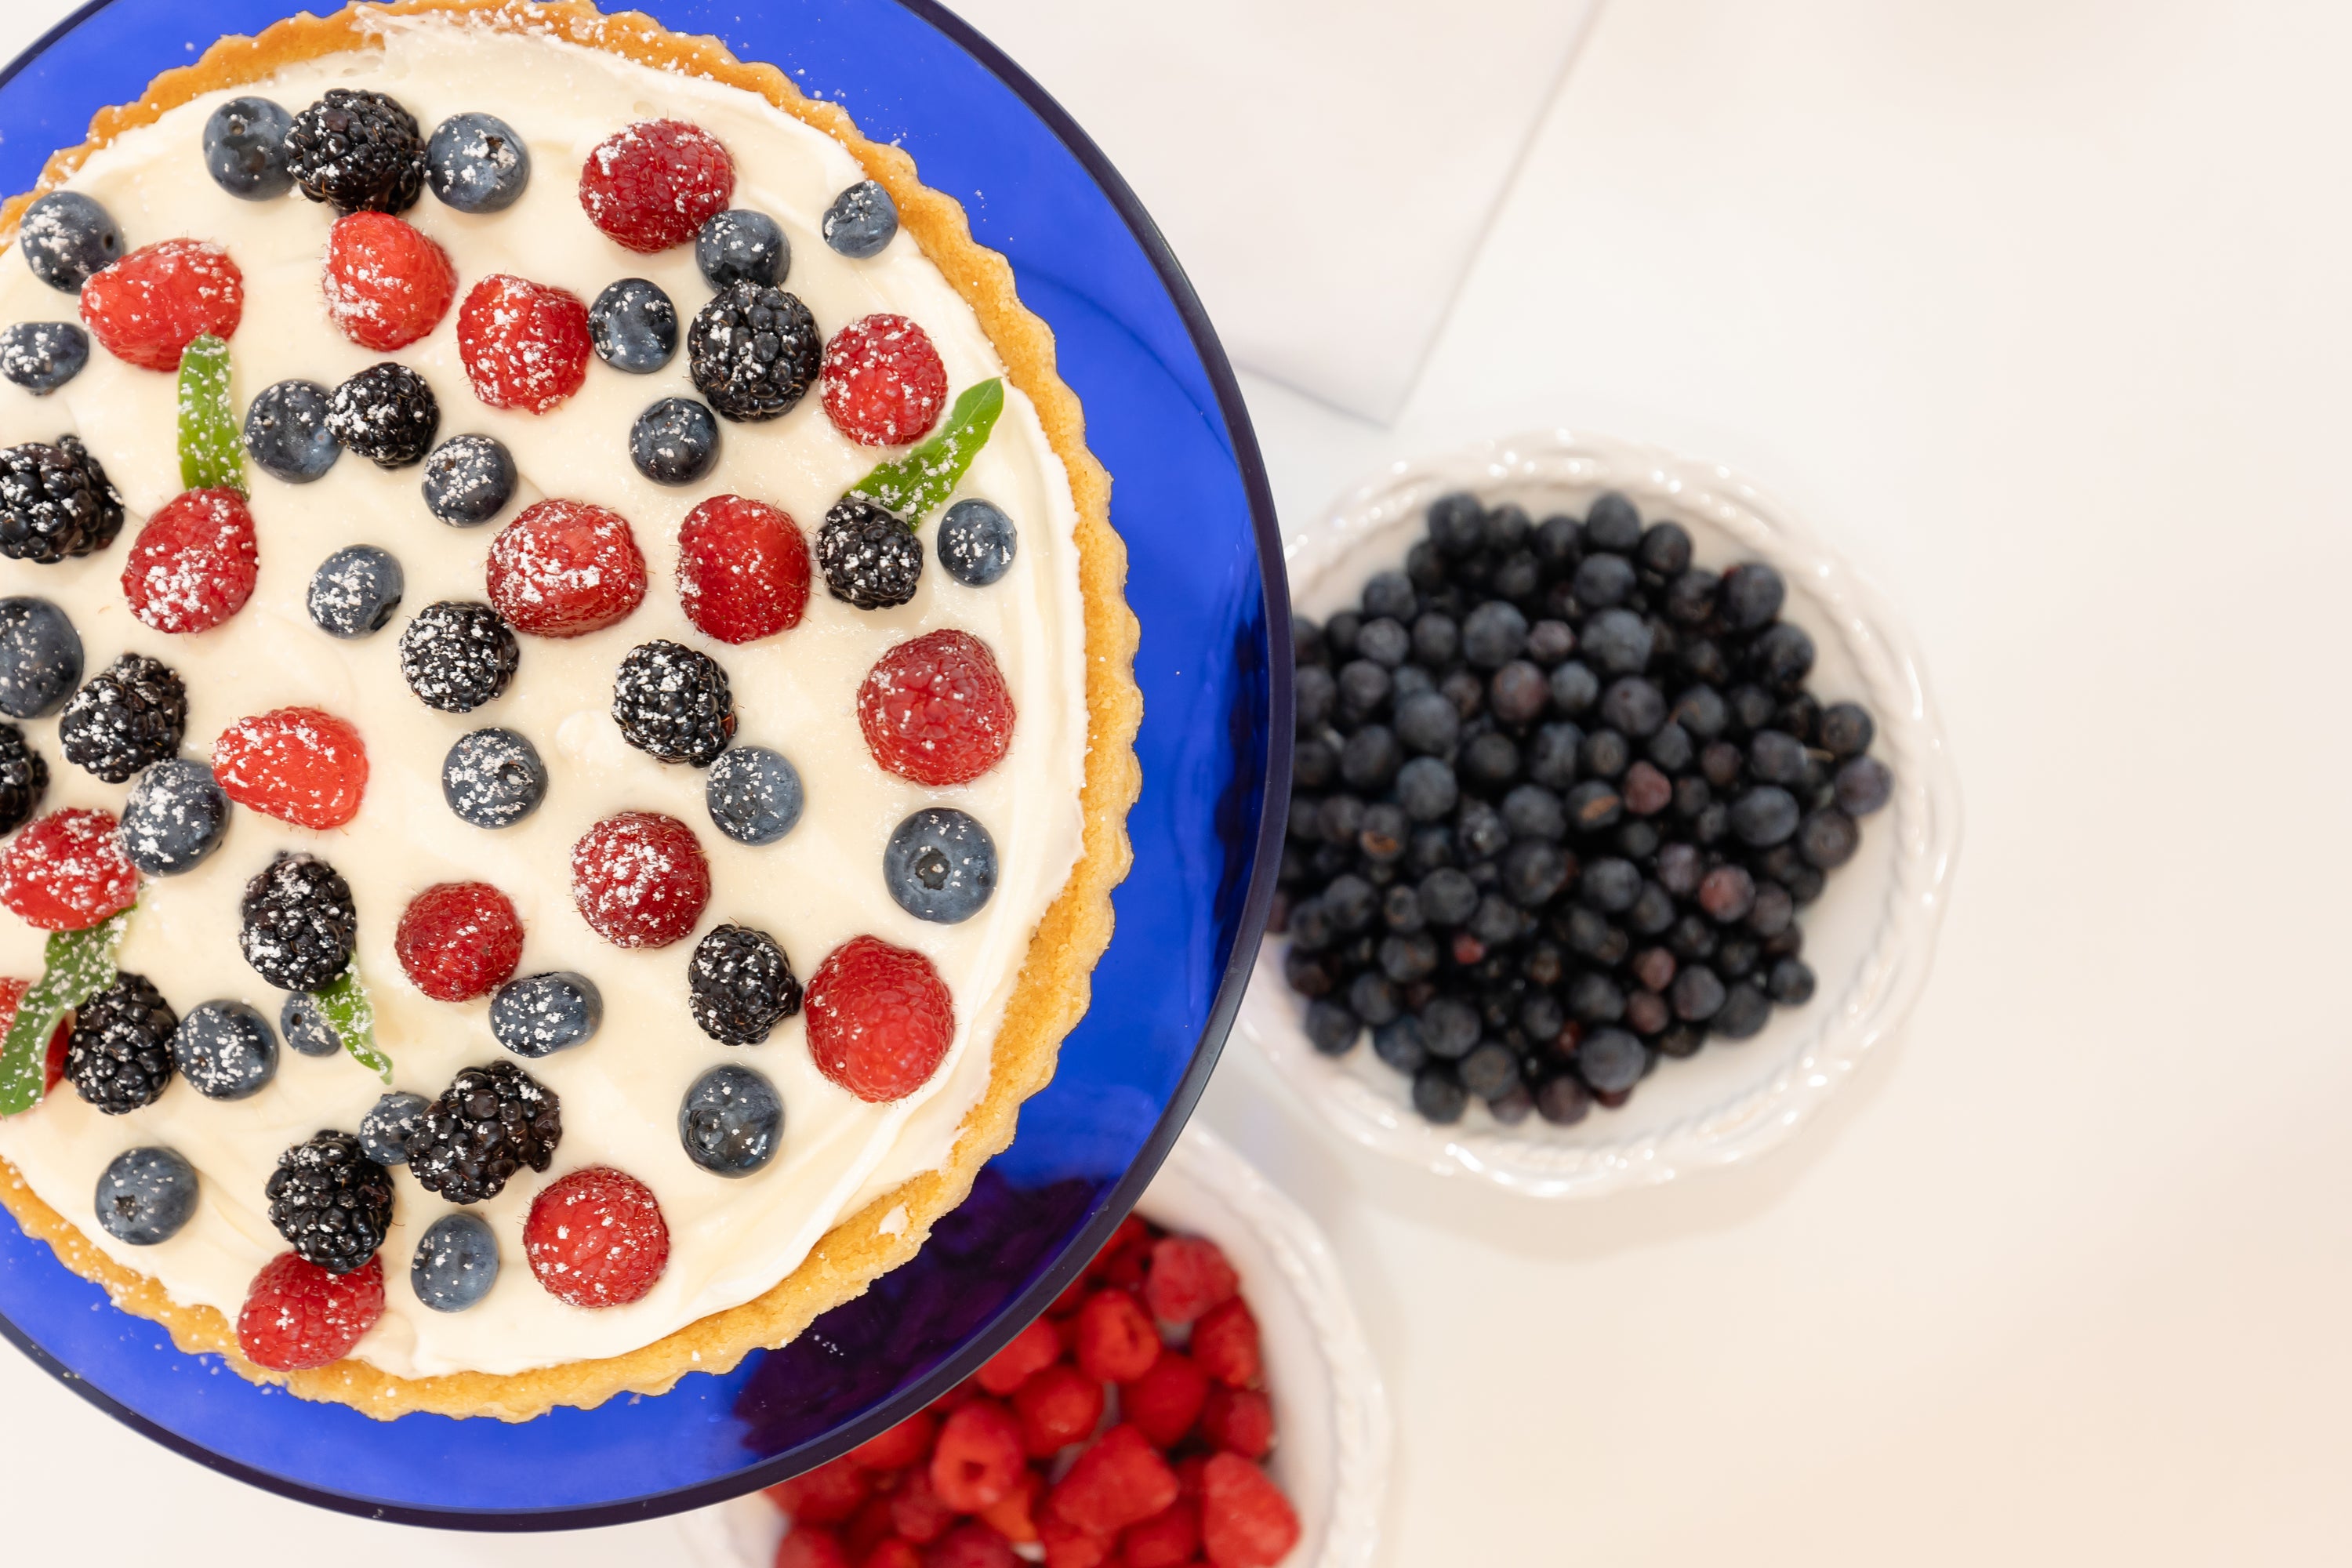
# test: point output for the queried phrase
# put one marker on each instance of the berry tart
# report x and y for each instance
(567, 700)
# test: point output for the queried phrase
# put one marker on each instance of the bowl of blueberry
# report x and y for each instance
(1622, 821)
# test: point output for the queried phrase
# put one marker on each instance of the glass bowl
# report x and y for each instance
(1206, 583)
(1870, 938)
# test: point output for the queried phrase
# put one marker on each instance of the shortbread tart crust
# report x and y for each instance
(1054, 986)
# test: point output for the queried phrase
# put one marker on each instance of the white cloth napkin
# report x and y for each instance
(1324, 169)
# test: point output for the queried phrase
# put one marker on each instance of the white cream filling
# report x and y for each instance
(730, 1239)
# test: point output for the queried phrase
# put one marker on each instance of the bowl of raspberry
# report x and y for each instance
(1203, 1393)
(1621, 820)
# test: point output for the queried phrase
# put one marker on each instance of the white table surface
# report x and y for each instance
(2039, 309)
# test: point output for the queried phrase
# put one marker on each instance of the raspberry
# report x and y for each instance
(1245, 1521)
(743, 570)
(811, 1548)
(979, 1459)
(146, 308)
(297, 1315)
(524, 345)
(597, 1238)
(1068, 1546)
(826, 1494)
(386, 285)
(1120, 1260)
(870, 1526)
(1034, 1349)
(889, 1551)
(973, 1544)
(1057, 1407)
(564, 568)
(654, 184)
(1167, 1399)
(12, 996)
(1014, 1515)
(879, 1019)
(917, 1510)
(1188, 1277)
(884, 384)
(1115, 1339)
(458, 940)
(936, 710)
(298, 764)
(1119, 1480)
(66, 871)
(907, 1443)
(1167, 1539)
(1225, 1345)
(194, 565)
(640, 879)
(1238, 1420)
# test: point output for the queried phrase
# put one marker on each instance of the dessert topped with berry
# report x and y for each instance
(550, 710)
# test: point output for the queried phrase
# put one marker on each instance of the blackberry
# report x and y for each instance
(119, 1053)
(298, 923)
(331, 1202)
(24, 779)
(357, 151)
(674, 703)
(870, 558)
(741, 985)
(457, 655)
(54, 501)
(129, 714)
(490, 1123)
(755, 351)
(387, 414)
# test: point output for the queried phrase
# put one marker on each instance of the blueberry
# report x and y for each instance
(1727, 893)
(1562, 1100)
(1370, 758)
(41, 356)
(1448, 896)
(226, 1050)
(1479, 831)
(1574, 687)
(738, 246)
(1635, 706)
(1665, 548)
(1610, 884)
(1618, 642)
(1428, 723)
(477, 164)
(245, 149)
(1533, 870)
(456, 1262)
(285, 431)
(539, 1014)
(976, 543)
(730, 1121)
(1752, 593)
(389, 1125)
(1314, 693)
(1746, 1010)
(940, 866)
(146, 1195)
(1531, 811)
(1331, 1028)
(1603, 581)
(1691, 597)
(1517, 692)
(1611, 1060)
(1594, 805)
(1438, 1095)
(1490, 1072)
(1775, 756)
(1354, 903)
(1764, 815)
(66, 237)
(1790, 982)
(861, 221)
(1696, 994)
(753, 795)
(1782, 655)
(355, 591)
(634, 326)
(1364, 686)
(1436, 639)
(468, 480)
(1493, 634)
(40, 658)
(1846, 729)
(1612, 523)
(1398, 1043)
(1702, 712)
(1491, 758)
(1551, 756)
(1458, 525)
(1863, 785)
(305, 1026)
(1425, 787)
(493, 778)
(1828, 838)
(1385, 642)
(1604, 754)
(675, 442)
(175, 817)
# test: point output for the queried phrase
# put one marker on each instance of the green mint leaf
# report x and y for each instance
(922, 480)
(79, 964)
(345, 1001)
(211, 454)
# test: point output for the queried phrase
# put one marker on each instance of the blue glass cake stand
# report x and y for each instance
(1205, 578)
